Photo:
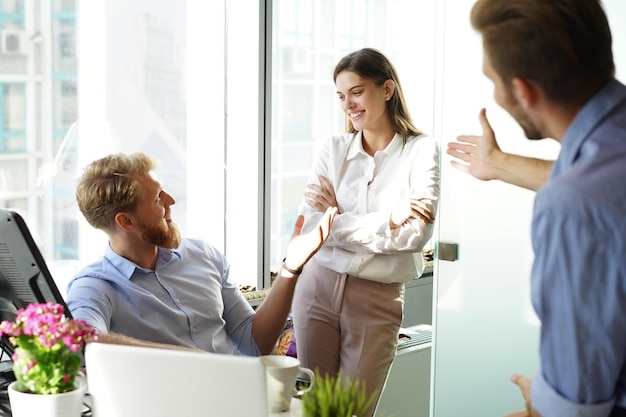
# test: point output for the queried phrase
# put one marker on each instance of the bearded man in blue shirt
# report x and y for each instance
(552, 68)
(153, 288)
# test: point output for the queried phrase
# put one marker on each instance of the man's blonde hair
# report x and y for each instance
(111, 185)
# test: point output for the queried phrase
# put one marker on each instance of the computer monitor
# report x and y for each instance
(24, 276)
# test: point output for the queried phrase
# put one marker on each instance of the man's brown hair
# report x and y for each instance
(563, 46)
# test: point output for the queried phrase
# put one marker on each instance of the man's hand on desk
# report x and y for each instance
(120, 339)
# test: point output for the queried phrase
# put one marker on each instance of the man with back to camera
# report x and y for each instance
(152, 288)
(552, 68)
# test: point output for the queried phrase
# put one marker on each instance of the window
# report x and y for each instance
(309, 37)
(13, 117)
(234, 120)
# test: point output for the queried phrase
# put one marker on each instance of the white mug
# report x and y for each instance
(281, 373)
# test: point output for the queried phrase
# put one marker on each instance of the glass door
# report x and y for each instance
(485, 328)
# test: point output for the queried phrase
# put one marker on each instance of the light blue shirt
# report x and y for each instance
(188, 300)
(579, 273)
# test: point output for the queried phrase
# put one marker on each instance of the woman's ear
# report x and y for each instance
(389, 88)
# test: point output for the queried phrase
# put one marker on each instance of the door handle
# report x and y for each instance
(447, 251)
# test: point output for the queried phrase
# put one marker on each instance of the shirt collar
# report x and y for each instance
(592, 113)
(356, 146)
(127, 268)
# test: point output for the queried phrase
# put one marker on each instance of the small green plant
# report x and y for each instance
(336, 397)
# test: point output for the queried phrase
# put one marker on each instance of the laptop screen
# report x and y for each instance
(138, 381)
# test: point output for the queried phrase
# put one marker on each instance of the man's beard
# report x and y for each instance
(530, 131)
(520, 116)
(167, 236)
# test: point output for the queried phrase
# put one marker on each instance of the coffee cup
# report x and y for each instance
(281, 373)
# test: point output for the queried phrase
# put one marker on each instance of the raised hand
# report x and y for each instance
(475, 153)
(303, 246)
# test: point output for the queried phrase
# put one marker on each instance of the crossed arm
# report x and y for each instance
(322, 196)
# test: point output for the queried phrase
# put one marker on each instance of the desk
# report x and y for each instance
(296, 410)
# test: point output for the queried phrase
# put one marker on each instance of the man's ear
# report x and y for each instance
(125, 221)
(525, 92)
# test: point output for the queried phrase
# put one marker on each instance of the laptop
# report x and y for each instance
(131, 381)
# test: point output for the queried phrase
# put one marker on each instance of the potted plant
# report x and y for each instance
(336, 397)
(47, 360)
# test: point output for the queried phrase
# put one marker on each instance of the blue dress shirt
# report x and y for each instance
(188, 300)
(579, 273)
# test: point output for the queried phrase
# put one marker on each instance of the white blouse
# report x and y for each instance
(367, 189)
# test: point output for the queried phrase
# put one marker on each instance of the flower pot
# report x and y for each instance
(26, 404)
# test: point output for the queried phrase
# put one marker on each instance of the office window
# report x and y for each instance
(126, 87)
(63, 6)
(64, 32)
(12, 174)
(308, 39)
(12, 126)
(177, 80)
(75, 103)
(65, 93)
(12, 6)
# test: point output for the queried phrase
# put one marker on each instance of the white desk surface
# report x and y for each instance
(295, 411)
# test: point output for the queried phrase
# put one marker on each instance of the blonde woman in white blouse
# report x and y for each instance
(383, 176)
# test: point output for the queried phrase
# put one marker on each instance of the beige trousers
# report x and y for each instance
(347, 323)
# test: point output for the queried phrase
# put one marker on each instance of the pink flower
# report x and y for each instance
(47, 346)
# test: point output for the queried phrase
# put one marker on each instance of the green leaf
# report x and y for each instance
(336, 397)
